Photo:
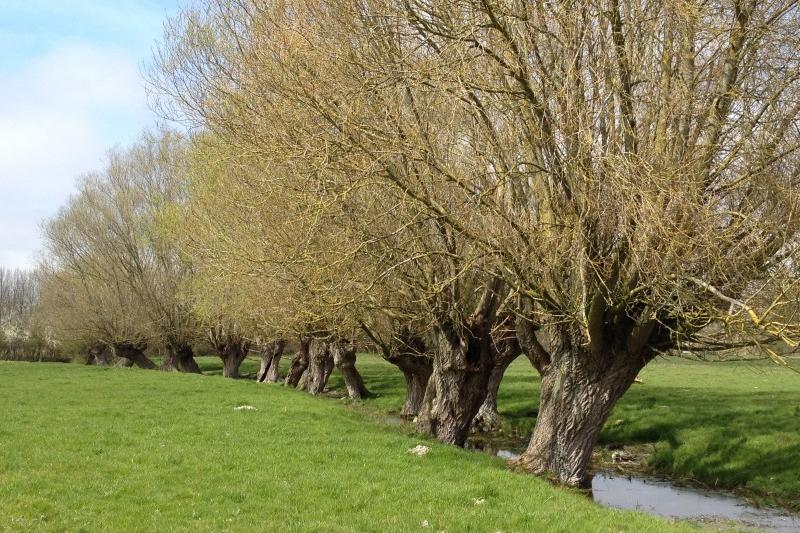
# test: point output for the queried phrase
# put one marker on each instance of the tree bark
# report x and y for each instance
(123, 362)
(407, 351)
(299, 364)
(170, 361)
(488, 419)
(98, 355)
(186, 361)
(179, 358)
(577, 394)
(417, 370)
(462, 361)
(233, 354)
(231, 347)
(344, 357)
(506, 348)
(271, 354)
(530, 345)
(320, 366)
(135, 353)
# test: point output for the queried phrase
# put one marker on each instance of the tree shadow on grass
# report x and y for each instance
(731, 438)
(734, 438)
(737, 440)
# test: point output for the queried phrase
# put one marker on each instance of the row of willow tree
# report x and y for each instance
(454, 183)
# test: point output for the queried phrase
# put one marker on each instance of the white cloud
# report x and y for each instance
(19, 238)
(56, 114)
(76, 75)
(40, 156)
(70, 91)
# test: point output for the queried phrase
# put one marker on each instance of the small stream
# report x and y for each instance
(662, 498)
(657, 496)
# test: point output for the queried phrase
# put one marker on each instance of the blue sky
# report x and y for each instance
(71, 89)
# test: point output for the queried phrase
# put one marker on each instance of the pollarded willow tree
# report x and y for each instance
(356, 255)
(113, 273)
(627, 172)
(250, 240)
(640, 184)
(83, 309)
(635, 174)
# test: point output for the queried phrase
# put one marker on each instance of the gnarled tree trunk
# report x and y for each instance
(462, 362)
(344, 357)
(488, 419)
(232, 358)
(408, 352)
(231, 347)
(417, 370)
(179, 357)
(320, 366)
(506, 348)
(271, 354)
(134, 353)
(577, 394)
(123, 362)
(299, 363)
(186, 361)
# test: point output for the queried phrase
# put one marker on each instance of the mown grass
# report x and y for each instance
(732, 425)
(87, 449)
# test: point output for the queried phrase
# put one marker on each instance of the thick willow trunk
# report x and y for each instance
(417, 372)
(232, 359)
(271, 354)
(134, 353)
(299, 364)
(187, 363)
(344, 357)
(98, 355)
(180, 358)
(231, 347)
(169, 363)
(320, 366)
(408, 352)
(488, 419)
(462, 361)
(417, 369)
(505, 348)
(577, 393)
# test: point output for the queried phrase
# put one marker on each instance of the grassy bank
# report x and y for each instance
(86, 448)
(733, 425)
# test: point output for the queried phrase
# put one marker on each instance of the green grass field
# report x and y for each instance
(87, 449)
(732, 425)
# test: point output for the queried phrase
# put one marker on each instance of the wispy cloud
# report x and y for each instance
(64, 104)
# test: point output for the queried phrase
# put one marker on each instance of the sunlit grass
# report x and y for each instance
(87, 449)
(733, 425)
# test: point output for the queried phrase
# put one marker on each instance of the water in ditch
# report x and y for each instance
(662, 498)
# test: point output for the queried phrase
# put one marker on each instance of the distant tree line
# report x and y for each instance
(20, 337)
(453, 184)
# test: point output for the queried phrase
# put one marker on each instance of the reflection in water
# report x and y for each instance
(663, 499)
